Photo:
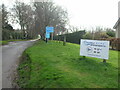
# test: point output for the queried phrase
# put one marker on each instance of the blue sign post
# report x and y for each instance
(47, 35)
(48, 31)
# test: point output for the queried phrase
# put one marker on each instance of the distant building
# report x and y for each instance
(117, 25)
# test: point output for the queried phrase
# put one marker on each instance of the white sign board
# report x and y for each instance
(94, 48)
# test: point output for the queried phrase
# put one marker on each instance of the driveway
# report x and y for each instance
(10, 58)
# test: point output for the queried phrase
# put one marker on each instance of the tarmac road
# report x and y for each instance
(10, 59)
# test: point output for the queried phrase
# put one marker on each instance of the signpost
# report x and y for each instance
(47, 35)
(95, 48)
(48, 31)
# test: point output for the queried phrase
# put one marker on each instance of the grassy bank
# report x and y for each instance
(53, 65)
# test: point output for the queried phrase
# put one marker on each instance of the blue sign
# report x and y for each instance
(47, 35)
(49, 29)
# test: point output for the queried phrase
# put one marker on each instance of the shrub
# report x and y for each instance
(110, 33)
(87, 36)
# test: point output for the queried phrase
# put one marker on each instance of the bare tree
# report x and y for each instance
(34, 19)
(73, 28)
(23, 14)
(49, 14)
(4, 16)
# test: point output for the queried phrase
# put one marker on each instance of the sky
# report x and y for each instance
(91, 13)
(86, 13)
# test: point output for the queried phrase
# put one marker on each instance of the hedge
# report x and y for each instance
(71, 37)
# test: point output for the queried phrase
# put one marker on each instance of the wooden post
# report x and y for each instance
(59, 39)
(84, 57)
(52, 36)
(46, 40)
(64, 41)
(104, 60)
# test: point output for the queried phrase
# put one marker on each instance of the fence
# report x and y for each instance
(114, 43)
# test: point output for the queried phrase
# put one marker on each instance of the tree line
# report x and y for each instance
(32, 19)
(35, 16)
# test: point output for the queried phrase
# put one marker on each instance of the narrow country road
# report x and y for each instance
(10, 59)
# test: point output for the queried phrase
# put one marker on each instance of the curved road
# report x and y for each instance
(10, 59)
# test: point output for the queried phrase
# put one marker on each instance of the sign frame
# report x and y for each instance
(50, 29)
(94, 48)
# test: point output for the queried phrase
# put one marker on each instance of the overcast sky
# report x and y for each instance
(87, 13)
(90, 13)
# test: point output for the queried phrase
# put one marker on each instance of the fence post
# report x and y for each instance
(64, 41)
(104, 60)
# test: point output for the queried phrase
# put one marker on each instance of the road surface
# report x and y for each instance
(10, 59)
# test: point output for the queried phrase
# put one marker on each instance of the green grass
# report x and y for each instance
(53, 65)
(5, 42)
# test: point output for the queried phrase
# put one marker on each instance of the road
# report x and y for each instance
(10, 60)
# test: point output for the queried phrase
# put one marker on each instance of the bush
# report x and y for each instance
(110, 33)
(7, 35)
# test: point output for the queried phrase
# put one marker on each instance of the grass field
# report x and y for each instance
(53, 65)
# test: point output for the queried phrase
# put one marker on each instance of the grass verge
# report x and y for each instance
(53, 65)
(3, 42)
(24, 70)
(7, 41)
